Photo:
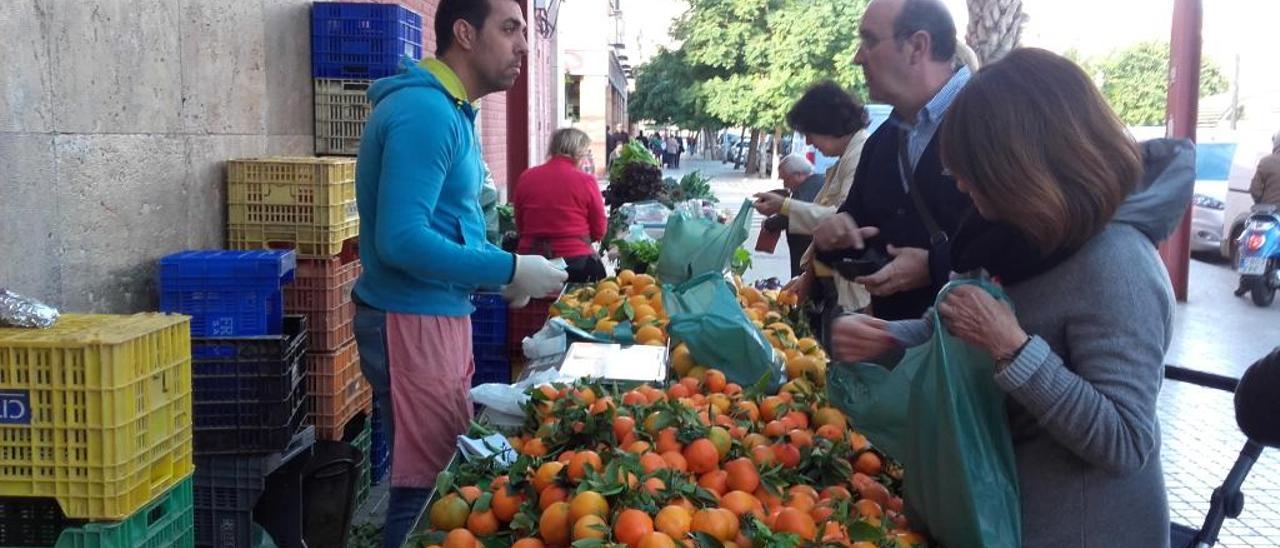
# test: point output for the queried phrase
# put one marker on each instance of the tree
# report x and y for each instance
(1135, 81)
(668, 92)
(995, 28)
(755, 58)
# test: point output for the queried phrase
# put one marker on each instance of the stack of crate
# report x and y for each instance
(96, 430)
(249, 385)
(353, 44)
(282, 202)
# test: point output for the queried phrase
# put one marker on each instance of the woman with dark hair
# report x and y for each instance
(834, 123)
(1068, 222)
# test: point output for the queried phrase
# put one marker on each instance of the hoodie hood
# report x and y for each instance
(1160, 198)
(428, 74)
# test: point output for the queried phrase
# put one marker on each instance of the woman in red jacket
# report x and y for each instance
(559, 209)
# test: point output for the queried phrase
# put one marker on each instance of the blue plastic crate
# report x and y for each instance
(204, 269)
(227, 293)
(488, 371)
(350, 40)
(489, 327)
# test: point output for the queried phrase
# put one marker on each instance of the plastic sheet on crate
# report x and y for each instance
(227, 488)
(108, 426)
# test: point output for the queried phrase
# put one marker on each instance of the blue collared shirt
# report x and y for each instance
(929, 118)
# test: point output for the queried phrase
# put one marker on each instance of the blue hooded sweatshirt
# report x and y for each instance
(418, 181)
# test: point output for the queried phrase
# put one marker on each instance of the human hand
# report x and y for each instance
(839, 231)
(859, 337)
(768, 203)
(974, 316)
(908, 270)
(536, 276)
(800, 285)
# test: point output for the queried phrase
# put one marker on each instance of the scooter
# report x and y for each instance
(1259, 255)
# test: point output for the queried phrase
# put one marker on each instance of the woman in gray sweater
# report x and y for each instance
(1067, 221)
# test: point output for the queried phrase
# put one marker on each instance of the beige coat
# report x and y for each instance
(804, 217)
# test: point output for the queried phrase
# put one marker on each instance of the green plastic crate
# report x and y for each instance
(168, 521)
(363, 443)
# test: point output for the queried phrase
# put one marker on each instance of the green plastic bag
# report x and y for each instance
(940, 413)
(695, 246)
(706, 317)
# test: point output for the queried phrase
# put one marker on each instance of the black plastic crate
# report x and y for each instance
(276, 425)
(248, 391)
(31, 521)
(232, 492)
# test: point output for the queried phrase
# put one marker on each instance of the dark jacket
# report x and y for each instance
(878, 199)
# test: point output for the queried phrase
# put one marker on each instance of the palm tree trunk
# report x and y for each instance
(995, 28)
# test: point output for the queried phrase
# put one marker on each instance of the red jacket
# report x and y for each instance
(558, 203)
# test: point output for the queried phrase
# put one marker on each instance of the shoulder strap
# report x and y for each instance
(936, 234)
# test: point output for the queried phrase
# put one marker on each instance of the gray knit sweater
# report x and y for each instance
(1082, 394)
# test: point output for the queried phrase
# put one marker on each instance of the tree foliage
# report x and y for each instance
(759, 56)
(668, 92)
(745, 62)
(1135, 81)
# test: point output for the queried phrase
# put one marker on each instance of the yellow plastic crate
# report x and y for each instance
(96, 412)
(308, 241)
(285, 191)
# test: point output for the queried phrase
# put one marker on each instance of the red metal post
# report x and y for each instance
(518, 113)
(1182, 108)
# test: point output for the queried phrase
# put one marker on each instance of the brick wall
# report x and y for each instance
(493, 137)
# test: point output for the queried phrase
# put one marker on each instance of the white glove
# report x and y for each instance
(535, 276)
(514, 299)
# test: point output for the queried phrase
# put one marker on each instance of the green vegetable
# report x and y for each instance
(741, 261)
(642, 254)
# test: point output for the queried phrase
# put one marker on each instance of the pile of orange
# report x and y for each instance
(632, 297)
(699, 463)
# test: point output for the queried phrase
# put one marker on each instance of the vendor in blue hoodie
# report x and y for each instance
(418, 183)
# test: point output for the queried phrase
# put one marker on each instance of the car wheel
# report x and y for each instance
(1233, 250)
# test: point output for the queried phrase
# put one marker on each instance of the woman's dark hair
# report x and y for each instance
(827, 109)
(1034, 138)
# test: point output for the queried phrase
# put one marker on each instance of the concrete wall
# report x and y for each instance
(115, 119)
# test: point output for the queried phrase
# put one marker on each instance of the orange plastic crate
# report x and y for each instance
(332, 329)
(321, 285)
(108, 421)
(331, 380)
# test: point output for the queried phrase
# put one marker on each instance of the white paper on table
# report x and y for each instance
(614, 362)
(474, 449)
